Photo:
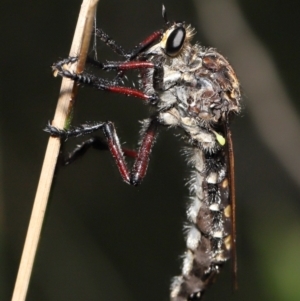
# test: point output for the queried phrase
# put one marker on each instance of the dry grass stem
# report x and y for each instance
(80, 46)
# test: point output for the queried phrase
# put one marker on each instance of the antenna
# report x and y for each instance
(164, 14)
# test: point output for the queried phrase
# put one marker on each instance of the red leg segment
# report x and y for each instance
(127, 65)
(129, 92)
(145, 44)
(116, 151)
(142, 159)
(130, 55)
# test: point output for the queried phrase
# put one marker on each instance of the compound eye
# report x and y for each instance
(175, 41)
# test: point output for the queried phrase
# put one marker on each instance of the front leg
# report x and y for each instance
(132, 54)
(139, 169)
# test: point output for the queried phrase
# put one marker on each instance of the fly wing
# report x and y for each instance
(231, 176)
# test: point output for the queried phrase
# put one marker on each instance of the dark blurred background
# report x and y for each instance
(105, 240)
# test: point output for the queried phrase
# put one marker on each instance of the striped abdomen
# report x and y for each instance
(208, 233)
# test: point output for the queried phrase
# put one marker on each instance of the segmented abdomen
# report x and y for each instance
(208, 232)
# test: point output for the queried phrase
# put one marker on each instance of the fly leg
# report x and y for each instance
(130, 55)
(158, 73)
(139, 169)
(97, 143)
(112, 86)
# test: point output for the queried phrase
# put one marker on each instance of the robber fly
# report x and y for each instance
(192, 88)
